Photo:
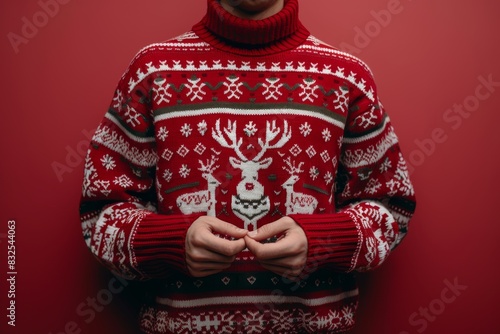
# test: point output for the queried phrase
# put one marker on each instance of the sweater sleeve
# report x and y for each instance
(373, 194)
(117, 207)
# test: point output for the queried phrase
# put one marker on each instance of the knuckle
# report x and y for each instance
(195, 257)
(229, 250)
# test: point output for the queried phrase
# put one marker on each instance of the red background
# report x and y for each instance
(427, 57)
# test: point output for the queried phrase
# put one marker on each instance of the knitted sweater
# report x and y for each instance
(247, 121)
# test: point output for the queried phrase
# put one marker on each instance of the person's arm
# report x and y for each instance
(117, 206)
(373, 195)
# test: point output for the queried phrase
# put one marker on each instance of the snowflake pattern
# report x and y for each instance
(327, 135)
(328, 178)
(160, 91)
(250, 129)
(118, 100)
(305, 129)
(385, 166)
(184, 171)
(313, 172)
(186, 130)
(348, 315)
(368, 119)
(162, 133)
(202, 127)
(195, 89)
(372, 186)
(342, 101)
(167, 175)
(108, 162)
(254, 322)
(132, 116)
(272, 89)
(123, 181)
(308, 90)
(233, 87)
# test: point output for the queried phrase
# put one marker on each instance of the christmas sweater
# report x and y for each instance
(247, 121)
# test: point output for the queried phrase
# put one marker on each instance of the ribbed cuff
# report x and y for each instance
(158, 244)
(333, 240)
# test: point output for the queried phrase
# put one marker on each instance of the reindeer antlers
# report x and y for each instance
(209, 166)
(271, 133)
(230, 131)
(292, 168)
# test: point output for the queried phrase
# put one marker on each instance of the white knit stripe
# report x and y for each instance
(167, 45)
(355, 158)
(332, 50)
(117, 143)
(248, 112)
(266, 299)
(127, 132)
(370, 135)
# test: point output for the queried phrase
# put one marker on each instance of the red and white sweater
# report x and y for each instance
(247, 121)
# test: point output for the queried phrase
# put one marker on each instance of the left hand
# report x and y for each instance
(285, 257)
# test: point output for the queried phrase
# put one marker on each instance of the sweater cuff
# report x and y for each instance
(158, 244)
(334, 240)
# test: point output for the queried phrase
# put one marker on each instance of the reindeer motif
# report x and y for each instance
(203, 200)
(250, 203)
(297, 202)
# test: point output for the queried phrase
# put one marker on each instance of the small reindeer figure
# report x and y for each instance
(250, 203)
(296, 202)
(203, 200)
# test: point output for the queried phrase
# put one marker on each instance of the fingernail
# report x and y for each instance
(252, 234)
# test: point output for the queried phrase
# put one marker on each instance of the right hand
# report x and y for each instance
(207, 253)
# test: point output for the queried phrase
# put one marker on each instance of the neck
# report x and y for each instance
(241, 12)
(279, 32)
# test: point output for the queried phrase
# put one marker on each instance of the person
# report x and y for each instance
(250, 170)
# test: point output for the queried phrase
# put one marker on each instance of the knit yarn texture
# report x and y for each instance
(247, 121)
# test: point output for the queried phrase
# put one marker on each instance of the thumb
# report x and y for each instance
(267, 231)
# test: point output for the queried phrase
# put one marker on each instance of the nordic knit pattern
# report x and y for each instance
(247, 121)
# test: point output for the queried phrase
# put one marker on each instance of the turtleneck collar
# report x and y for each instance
(277, 33)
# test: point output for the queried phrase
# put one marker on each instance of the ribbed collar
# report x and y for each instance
(280, 32)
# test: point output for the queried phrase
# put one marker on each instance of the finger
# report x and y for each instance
(278, 227)
(224, 228)
(225, 247)
(280, 249)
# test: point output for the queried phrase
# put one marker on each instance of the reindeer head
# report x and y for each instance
(207, 170)
(293, 170)
(249, 187)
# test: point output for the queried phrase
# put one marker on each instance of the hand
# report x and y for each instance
(207, 253)
(285, 257)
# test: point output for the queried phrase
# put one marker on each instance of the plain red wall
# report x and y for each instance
(427, 57)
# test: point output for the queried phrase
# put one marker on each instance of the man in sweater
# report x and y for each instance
(250, 169)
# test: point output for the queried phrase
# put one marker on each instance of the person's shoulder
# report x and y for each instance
(186, 41)
(343, 60)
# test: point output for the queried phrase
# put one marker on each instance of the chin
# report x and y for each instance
(253, 6)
